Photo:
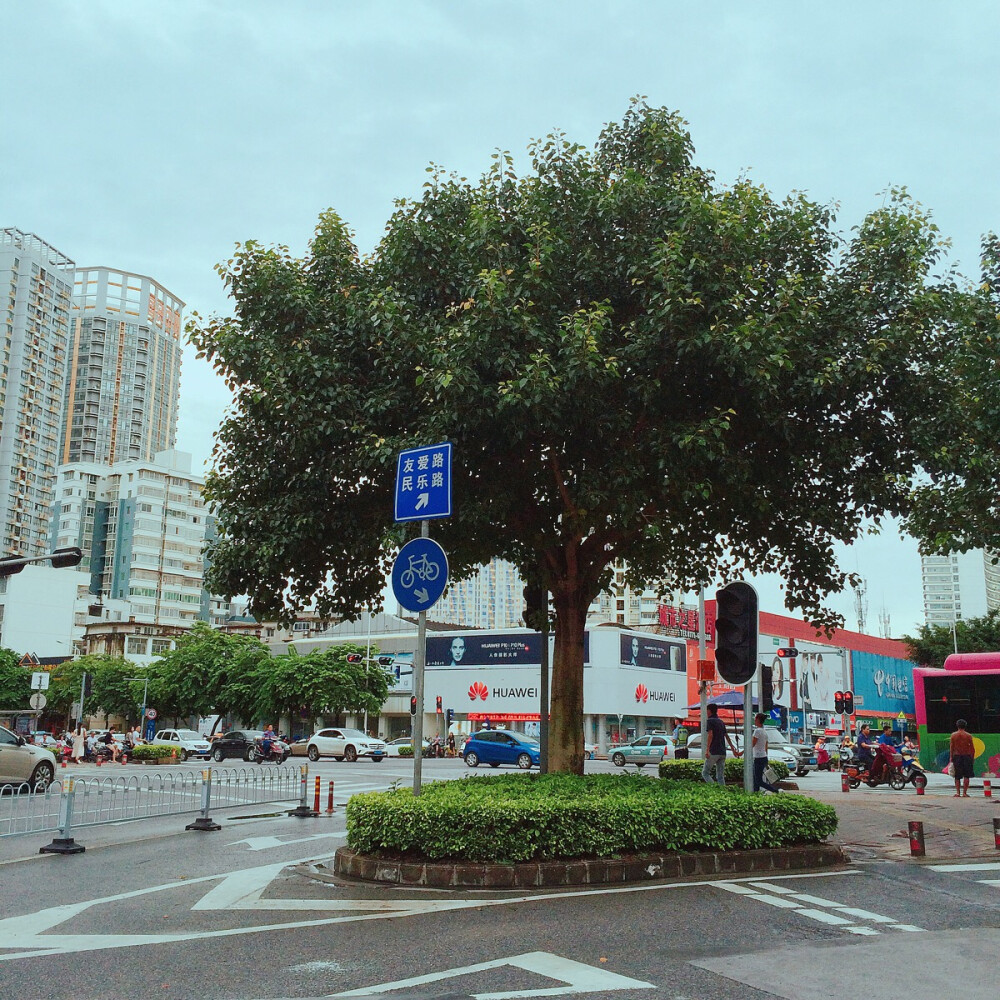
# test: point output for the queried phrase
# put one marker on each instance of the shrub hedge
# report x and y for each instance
(509, 818)
(690, 770)
(143, 752)
(405, 751)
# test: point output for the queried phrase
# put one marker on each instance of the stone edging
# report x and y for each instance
(547, 874)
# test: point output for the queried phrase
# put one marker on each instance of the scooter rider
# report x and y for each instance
(866, 746)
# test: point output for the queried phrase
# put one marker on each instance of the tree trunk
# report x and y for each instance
(566, 725)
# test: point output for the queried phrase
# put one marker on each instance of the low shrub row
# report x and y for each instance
(143, 752)
(511, 818)
(405, 751)
(690, 770)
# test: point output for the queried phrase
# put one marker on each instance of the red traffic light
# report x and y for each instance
(788, 652)
(838, 702)
(849, 702)
(353, 657)
(413, 705)
(439, 706)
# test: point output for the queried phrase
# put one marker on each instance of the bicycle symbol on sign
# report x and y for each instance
(421, 568)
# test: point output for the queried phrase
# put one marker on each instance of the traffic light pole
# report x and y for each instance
(418, 685)
(702, 685)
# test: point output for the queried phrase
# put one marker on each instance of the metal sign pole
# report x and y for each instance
(748, 733)
(418, 685)
(702, 685)
(543, 705)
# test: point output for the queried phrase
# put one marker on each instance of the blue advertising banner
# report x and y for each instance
(882, 683)
(489, 650)
(659, 654)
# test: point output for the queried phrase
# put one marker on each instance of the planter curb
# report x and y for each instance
(348, 863)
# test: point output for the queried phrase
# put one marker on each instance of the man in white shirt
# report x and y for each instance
(759, 745)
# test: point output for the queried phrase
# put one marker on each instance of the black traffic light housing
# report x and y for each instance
(788, 652)
(438, 706)
(765, 698)
(354, 657)
(838, 702)
(386, 661)
(450, 716)
(849, 703)
(413, 705)
(736, 633)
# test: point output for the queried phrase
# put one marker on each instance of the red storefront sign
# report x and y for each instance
(503, 716)
(681, 622)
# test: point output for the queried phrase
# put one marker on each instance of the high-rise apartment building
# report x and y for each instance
(36, 283)
(492, 598)
(959, 585)
(124, 368)
(142, 526)
(625, 605)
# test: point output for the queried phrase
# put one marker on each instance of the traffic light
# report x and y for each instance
(413, 705)
(783, 719)
(849, 703)
(386, 661)
(88, 685)
(396, 671)
(536, 606)
(437, 705)
(450, 716)
(788, 652)
(736, 633)
(354, 657)
(67, 556)
(838, 702)
(765, 700)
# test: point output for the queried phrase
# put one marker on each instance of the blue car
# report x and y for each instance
(498, 746)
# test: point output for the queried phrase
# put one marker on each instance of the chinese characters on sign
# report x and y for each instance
(423, 483)
(681, 622)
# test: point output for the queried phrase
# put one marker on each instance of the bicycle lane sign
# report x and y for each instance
(419, 574)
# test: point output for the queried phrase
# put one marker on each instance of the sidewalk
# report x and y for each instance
(873, 821)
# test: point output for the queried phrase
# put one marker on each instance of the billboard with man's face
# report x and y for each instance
(659, 654)
(488, 649)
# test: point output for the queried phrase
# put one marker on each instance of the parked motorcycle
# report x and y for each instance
(912, 770)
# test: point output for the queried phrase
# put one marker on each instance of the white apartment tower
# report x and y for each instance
(959, 585)
(36, 283)
(492, 598)
(142, 526)
(124, 368)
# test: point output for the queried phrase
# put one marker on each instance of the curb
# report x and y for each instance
(604, 871)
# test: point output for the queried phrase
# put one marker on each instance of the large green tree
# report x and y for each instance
(633, 362)
(15, 681)
(933, 644)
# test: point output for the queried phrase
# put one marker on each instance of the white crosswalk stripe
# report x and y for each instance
(818, 908)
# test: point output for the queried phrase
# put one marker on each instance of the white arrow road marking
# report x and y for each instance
(579, 978)
(263, 843)
(242, 889)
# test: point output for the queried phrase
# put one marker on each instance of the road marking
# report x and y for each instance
(577, 977)
(242, 889)
(264, 843)
(787, 898)
(990, 867)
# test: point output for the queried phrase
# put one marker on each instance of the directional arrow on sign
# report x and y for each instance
(421, 595)
(422, 500)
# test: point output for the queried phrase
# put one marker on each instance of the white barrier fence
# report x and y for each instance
(76, 802)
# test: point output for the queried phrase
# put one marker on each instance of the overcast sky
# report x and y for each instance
(153, 136)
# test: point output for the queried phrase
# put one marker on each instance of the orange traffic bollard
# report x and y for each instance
(916, 838)
(987, 788)
(920, 789)
(845, 784)
(996, 833)
(316, 799)
(329, 800)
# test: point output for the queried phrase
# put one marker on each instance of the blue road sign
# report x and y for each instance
(419, 574)
(423, 483)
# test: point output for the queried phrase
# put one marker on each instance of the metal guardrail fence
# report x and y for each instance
(92, 801)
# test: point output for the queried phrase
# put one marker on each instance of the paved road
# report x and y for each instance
(152, 911)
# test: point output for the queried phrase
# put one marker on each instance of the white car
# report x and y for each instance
(392, 748)
(344, 744)
(774, 751)
(22, 762)
(186, 742)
